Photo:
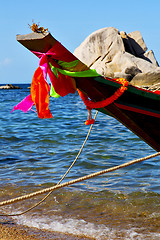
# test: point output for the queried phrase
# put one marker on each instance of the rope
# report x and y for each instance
(58, 186)
(154, 87)
(37, 204)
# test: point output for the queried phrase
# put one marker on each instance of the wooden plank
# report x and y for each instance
(40, 42)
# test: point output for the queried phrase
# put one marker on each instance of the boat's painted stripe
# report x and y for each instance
(132, 89)
(133, 109)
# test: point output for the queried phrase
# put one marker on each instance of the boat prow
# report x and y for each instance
(136, 108)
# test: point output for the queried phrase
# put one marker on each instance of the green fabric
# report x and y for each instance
(53, 92)
(87, 73)
(68, 64)
(54, 70)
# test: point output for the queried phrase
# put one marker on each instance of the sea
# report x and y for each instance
(35, 154)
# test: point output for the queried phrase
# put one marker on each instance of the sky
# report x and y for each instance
(70, 22)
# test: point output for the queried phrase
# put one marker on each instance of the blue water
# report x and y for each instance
(37, 152)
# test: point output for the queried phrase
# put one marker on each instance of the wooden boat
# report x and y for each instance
(136, 108)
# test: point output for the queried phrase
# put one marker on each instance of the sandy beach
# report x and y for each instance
(9, 230)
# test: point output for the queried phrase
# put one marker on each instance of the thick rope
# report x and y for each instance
(37, 204)
(77, 180)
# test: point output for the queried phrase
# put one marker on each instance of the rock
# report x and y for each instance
(151, 57)
(102, 44)
(146, 79)
(9, 86)
(117, 54)
(132, 71)
(127, 43)
(137, 43)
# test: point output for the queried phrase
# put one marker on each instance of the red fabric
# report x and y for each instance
(63, 85)
(40, 94)
(40, 88)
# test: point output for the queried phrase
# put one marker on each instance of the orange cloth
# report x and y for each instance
(40, 94)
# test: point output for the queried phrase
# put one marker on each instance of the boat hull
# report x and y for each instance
(137, 109)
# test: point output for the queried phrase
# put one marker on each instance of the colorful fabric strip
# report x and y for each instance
(62, 82)
(87, 73)
(25, 105)
(53, 92)
(40, 87)
(40, 94)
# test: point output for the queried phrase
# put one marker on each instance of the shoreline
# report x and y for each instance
(10, 230)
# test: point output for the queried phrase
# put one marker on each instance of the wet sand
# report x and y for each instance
(9, 230)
